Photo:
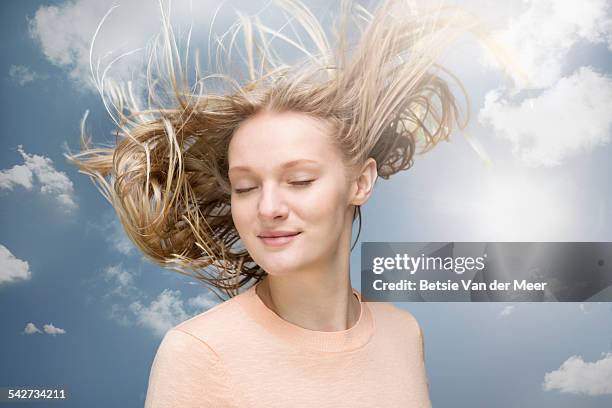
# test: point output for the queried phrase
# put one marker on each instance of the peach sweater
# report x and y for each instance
(242, 354)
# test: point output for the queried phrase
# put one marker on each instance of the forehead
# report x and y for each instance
(270, 140)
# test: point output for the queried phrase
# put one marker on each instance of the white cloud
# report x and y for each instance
(571, 114)
(48, 328)
(575, 376)
(51, 181)
(202, 302)
(109, 227)
(507, 311)
(571, 117)
(119, 275)
(543, 34)
(18, 175)
(122, 280)
(118, 238)
(11, 268)
(64, 32)
(31, 329)
(51, 329)
(165, 312)
(23, 75)
(117, 313)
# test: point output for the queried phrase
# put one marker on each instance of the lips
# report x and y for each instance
(278, 238)
(274, 234)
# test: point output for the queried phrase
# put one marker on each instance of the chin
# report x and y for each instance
(279, 265)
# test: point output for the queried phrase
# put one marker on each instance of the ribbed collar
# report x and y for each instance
(336, 341)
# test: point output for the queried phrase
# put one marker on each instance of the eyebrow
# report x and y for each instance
(285, 165)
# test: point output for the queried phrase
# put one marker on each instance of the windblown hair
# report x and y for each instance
(384, 96)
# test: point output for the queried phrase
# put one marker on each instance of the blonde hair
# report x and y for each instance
(383, 96)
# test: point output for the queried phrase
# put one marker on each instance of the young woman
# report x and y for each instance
(259, 187)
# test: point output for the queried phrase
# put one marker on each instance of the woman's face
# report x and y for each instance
(288, 178)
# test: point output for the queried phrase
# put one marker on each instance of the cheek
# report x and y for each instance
(240, 217)
(324, 207)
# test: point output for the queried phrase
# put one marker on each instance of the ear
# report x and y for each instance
(363, 184)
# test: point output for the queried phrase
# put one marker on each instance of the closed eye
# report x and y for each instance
(243, 190)
(301, 183)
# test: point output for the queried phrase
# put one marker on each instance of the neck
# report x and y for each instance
(319, 297)
(319, 309)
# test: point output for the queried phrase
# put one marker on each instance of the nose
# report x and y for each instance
(271, 203)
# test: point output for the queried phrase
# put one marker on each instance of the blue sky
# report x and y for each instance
(82, 309)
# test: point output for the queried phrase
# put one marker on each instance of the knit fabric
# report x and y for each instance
(242, 354)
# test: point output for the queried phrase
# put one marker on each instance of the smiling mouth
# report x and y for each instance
(279, 241)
